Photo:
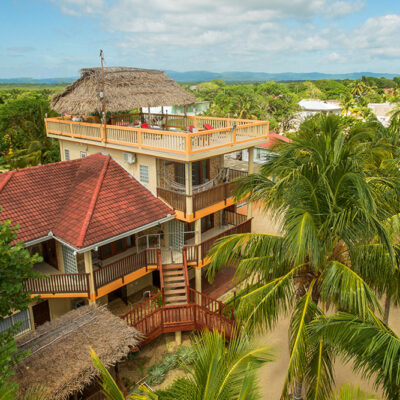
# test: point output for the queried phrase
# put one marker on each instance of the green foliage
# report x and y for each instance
(23, 141)
(336, 186)
(15, 268)
(220, 372)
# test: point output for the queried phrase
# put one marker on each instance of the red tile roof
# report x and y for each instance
(273, 138)
(82, 202)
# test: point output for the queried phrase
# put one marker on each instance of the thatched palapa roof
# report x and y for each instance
(59, 360)
(124, 89)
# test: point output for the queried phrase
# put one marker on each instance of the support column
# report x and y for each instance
(197, 236)
(60, 259)
(89, 270)
(197, 275)
(178, 338)
(251, 171)
(188, 188)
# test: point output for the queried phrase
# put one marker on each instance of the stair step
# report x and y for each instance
(170, 273)
(174, 291)
(174, 299)
(174, 279)
(169, 267)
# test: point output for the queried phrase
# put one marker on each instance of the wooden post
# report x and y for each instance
(89, 270)
(185, 115)
(197, 272)
(103, 100)
(251, 171)
(188, 188)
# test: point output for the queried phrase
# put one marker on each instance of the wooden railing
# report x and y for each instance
(212, 305)
(192, 252)
(206, 246)
(233, 218)
(176, 200)
(225, 132)
(59, 283)
(120, 268)
(212, 196)
(205, 198)
(152, 318)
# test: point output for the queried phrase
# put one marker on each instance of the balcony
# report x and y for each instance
(186, 138)
(204, 197)
(120, 271)
(52, 282)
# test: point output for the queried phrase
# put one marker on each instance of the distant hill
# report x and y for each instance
(44, 81)
(238, 76)
(233, 76)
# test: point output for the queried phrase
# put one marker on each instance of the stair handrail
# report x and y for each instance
(160, 267)
(186, 273)
(209, 299)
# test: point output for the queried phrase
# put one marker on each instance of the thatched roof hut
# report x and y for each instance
(59, 360)
(124, 89)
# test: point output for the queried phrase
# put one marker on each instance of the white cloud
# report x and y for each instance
(238, 34)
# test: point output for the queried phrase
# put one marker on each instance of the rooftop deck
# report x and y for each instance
(172, 136)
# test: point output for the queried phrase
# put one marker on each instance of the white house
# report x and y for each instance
(192, 109)
(382, 111)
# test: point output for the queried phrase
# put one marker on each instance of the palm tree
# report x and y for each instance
(350, 392)
(330, 209)
(373, 348)
(219, 372)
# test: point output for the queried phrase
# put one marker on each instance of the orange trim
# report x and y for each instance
(127, 279)
(205, 211)
(60, 295)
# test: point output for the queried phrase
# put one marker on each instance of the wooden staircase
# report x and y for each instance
(178, 307)
(174, 283)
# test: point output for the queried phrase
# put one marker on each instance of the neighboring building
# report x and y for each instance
(101, 229)
(193, 109)
(383, 111)
(311, 107)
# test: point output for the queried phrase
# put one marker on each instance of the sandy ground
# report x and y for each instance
(272, 375)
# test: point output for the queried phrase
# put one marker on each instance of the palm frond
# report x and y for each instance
(373, 348)
(306, 310)
(347, 290)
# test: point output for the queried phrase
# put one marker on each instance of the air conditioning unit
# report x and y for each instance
(130, 158)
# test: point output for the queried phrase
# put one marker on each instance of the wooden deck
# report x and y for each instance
(169, 136)
(152, 318)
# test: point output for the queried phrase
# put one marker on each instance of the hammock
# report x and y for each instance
(223, 175)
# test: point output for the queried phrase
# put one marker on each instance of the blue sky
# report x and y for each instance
(55, 38)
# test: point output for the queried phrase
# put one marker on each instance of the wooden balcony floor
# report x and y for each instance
(45, 268)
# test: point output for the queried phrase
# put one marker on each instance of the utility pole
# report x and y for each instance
(102, 97)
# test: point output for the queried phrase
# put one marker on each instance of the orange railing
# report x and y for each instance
(225, 132)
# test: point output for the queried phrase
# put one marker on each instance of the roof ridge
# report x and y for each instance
(93, 202)
(7, 179)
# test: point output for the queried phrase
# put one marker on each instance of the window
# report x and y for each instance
(144, 173)
(83, 154)
(66, 152)
(21, 317)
